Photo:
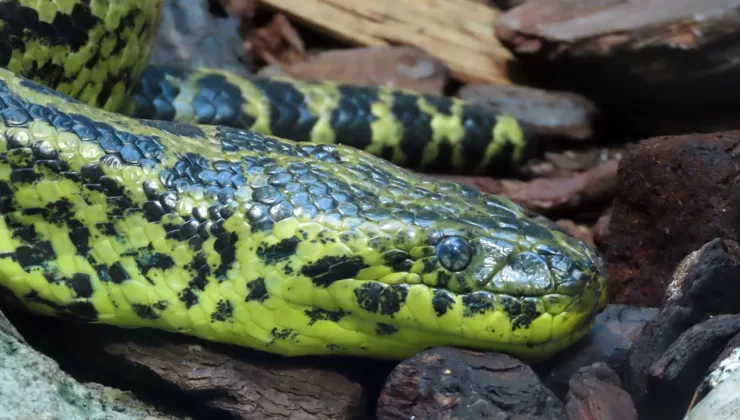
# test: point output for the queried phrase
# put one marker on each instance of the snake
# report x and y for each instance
(241, 211)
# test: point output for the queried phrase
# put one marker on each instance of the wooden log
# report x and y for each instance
(458, 32)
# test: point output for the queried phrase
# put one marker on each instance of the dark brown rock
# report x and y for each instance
(446, 383)
(557, 115)
(673, 379)
(557, 29)
(609, 341)
(674, 194)
(396, 67)
(596, 394)
(676, 58)
(705, 285)
(647, 38)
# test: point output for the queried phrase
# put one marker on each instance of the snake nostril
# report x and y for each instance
(454, 253)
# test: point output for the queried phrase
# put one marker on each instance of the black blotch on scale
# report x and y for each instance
(24, 233)
(81, 285)
(272, 254)
(442, 302)
(117, 273)
(225, 245)
(528, 314)
(147, 260)
(198, 282)
(316, 315)
(280, 334)
(149, 311)
(35, 255)
(327, 270)
(376, 297)
(257, 290)
(224, 311)
(476, 303)
(385, 329)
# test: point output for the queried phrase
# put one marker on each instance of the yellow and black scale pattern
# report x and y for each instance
(426, 133)
(95, 56)
(294, 248)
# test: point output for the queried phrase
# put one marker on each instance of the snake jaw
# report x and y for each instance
(547, 286)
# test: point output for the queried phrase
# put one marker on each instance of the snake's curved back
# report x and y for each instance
(291, 248)
(98, 54)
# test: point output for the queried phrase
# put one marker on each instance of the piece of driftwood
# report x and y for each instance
(245, 387)
(213, 380)
(458, 32)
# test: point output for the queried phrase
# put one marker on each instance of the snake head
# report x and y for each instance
(472, 269)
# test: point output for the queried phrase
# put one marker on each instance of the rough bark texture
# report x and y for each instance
(395, 67)
(448, 383)
(245, 389)
(207, 378)
(458, 32)
(629, 33)
(672, 60)
(674, 194)
(595, 394)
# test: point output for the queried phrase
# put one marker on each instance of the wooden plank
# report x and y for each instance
(458, 32)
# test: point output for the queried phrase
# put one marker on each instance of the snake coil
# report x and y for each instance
(224, 231)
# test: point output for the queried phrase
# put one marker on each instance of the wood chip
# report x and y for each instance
(458, 32)
(277, 42)
(393, 67)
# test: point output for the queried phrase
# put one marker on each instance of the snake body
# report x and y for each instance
(235, 236)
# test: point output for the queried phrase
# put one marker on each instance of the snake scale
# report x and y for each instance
(213, 224)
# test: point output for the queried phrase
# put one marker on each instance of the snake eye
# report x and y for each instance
(454, 253)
